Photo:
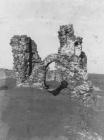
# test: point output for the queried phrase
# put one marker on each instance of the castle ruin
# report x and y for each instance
(71, 67)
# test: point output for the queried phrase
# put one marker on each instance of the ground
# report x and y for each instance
(31, 114)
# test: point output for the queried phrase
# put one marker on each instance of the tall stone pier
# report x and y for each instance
(25, 56)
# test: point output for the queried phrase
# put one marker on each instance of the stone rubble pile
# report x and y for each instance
(25, 56)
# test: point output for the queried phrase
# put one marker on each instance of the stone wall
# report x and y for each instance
(66, 38)
(25, 56)
(70, 68)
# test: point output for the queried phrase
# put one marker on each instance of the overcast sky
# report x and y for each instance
(40, 19)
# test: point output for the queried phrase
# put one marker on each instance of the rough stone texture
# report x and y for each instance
(78, 84)
(70, 67)
(25, 56)
(37, 77)
(66, 38)
(32, 71)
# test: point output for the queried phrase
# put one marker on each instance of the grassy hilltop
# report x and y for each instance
(32, 114)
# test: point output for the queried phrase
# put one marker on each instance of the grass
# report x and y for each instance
(97, 80)
(31, 112)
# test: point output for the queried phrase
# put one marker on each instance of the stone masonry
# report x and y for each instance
(25, 56)
(71, 64)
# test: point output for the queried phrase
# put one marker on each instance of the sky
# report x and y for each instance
(41, 19)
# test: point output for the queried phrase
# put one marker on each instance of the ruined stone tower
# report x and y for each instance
(25, 56)
(66, 38)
